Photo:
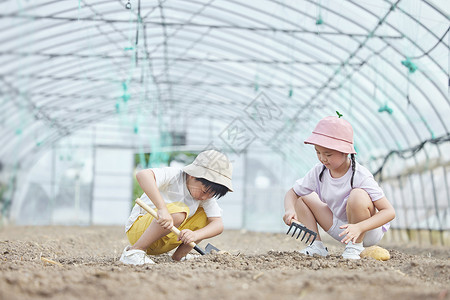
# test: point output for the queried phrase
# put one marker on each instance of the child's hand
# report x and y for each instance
(164, 219)
(288, 216)
(351, 232)
(187, 236)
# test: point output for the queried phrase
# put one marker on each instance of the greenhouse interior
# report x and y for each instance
(94, 91)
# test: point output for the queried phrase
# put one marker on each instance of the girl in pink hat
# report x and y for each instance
(338, 194)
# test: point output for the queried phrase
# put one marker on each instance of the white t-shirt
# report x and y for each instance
(171, 183)
(334, 192)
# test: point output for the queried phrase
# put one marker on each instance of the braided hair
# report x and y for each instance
(352, 157)
(321, 173)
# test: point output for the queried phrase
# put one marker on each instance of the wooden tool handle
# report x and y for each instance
(155, 215)
(297, 222)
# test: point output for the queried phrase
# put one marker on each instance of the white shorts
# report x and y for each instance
(371, 238)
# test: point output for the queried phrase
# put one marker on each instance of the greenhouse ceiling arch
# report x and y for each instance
(382, 64)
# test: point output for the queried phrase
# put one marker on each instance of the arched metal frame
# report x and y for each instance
(179, 60)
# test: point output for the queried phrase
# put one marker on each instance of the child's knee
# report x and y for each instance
(359, 199)
(197, 221)
(178, 218)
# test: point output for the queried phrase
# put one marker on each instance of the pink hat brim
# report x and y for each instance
(330, 143)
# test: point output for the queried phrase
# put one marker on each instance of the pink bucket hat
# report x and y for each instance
(333, 133)
(213, 166)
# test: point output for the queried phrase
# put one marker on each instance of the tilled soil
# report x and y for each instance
(84, 265)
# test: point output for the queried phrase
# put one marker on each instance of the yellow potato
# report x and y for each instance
(376, 252)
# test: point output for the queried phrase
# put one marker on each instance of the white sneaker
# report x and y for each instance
(315, 248)
(189, 256)
(352, 251)
(135, 257)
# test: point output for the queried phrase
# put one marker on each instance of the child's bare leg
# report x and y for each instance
(181, 251)
(310, 211)
(154, 232)
(359, 208)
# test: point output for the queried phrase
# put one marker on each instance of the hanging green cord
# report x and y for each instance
(319, 21)
(410, 65)
(385, 108)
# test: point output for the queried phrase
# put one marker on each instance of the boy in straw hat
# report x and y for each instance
(184, 198)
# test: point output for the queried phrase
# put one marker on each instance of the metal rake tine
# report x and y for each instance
(295, 230)
(300, 232)
(315, 235)
(289, 229)
(306, 242)
(311, 234)
(303, 237)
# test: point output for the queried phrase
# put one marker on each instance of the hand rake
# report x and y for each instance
(175, 230)
(298, 225)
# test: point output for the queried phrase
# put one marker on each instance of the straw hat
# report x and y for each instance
(333, 133)
(213, 166)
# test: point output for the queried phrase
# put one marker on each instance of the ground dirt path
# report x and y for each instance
(256, 266)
